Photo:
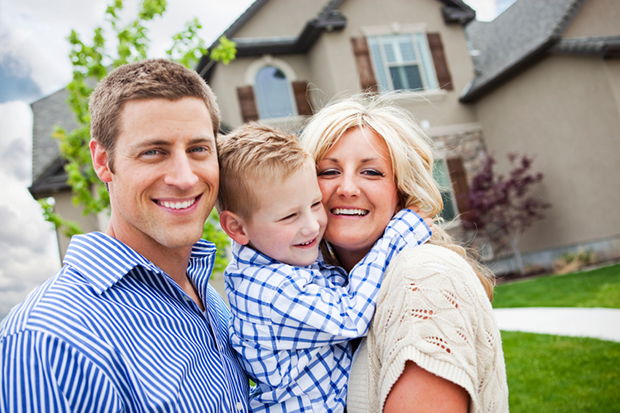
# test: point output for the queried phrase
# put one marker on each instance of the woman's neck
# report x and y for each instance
(348, 259)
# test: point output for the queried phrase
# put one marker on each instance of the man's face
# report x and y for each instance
(166, 174)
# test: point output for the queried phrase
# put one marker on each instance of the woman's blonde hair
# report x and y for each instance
(411, 154)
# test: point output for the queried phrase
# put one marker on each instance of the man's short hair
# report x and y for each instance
(146, 79)
(252, 154)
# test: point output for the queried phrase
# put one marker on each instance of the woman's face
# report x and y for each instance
(359, 192)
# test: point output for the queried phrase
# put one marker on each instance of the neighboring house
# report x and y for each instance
(540, 80)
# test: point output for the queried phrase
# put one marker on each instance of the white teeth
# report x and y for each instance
(178, 205)
(343, 211)
(307, 243)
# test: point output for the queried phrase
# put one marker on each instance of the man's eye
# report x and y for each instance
(151, 152)
(199, 149)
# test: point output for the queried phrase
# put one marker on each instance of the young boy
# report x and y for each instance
(293, 315)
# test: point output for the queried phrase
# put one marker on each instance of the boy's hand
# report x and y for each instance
(424, 215)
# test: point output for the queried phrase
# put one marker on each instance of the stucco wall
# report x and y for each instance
(564, 111)
(330, 66)
(595, 18)
(64, 206)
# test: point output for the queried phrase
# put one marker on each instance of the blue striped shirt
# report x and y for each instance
(111, 332)
(291, 325)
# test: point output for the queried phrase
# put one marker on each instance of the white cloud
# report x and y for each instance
(28, 246)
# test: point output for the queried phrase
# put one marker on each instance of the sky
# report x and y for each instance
(34, 63)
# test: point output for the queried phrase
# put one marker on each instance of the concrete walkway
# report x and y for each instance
(603, 323)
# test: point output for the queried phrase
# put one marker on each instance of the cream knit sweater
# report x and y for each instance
(432, 310)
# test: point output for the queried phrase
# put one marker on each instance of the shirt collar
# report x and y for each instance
(104, 260)
(245, 255)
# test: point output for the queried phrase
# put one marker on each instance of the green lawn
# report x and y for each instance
(555, 373)
(596, 288)
(561, 374)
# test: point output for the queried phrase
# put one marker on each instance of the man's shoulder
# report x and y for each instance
(56, 298)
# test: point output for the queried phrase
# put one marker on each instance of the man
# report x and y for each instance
(130, 322)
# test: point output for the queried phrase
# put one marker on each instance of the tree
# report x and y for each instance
(500, 206)
(90, 65)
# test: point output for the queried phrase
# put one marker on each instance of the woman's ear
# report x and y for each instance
(233, 225)
(100, 161)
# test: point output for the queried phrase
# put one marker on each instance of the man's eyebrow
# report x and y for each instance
(162, 142)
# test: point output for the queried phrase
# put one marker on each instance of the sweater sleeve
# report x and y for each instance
(433, 310)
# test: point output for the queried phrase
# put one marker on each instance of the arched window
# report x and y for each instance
(273, 93)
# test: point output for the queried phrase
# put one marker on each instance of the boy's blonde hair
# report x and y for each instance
(411, 155)
(253, 154)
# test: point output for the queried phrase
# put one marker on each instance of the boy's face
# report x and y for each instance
(290, 219)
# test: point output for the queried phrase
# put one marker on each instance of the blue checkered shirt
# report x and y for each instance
(111, 332)
(291, 325)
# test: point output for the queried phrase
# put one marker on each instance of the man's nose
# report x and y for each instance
(180, 173)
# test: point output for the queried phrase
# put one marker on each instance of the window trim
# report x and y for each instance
(268, 60)
(424, 62)
(443, 159)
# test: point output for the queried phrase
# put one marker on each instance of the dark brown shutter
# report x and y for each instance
(247, 103)
(439, 59)
(458, 176)
(302, 98)
(368, 82)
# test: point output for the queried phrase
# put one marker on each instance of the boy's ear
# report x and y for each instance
(100, 161)
(233, 225)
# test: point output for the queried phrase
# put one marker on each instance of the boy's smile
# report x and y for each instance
(290, 220)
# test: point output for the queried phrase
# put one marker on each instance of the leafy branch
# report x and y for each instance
(91, 62)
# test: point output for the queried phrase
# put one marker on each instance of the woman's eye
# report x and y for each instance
(373, 172)
(327, 172)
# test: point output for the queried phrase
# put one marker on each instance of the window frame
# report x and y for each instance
(443, 189)
(250, 78)
(423, 61)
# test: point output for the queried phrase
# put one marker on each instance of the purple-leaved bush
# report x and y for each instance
(499, 206)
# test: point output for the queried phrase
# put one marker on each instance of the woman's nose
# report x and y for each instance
(348, 187)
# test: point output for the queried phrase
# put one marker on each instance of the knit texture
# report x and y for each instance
(431, 310)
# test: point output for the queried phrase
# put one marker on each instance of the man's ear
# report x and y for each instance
(100, 161)
(233, 225)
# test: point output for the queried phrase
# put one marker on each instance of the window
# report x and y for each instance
(273, 93)
(403, 62)
(442, 177)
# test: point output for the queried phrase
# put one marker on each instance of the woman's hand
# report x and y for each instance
(417, 390)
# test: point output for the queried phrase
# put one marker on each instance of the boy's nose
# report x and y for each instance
(311, 226)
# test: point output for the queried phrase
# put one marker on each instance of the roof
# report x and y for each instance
(603, 46)
(517, 38)
(47, 171)
(328, 19)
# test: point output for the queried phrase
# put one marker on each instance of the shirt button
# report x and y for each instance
(239, 406)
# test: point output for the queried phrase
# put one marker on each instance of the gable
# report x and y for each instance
(514, 40)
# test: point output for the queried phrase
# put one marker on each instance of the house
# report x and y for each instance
(541, 79)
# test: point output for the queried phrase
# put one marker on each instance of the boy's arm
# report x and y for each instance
(308, 314)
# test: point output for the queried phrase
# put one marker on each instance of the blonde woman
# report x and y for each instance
(433, 344)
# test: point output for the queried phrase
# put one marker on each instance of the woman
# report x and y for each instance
(434, 344)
